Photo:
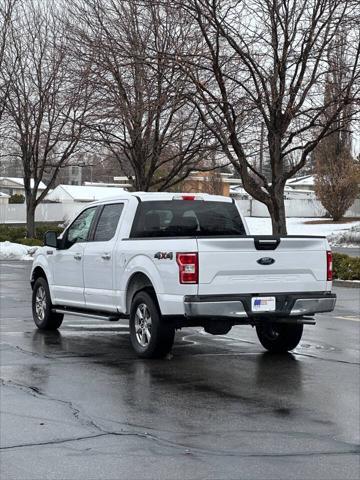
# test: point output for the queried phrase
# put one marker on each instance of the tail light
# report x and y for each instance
(329, 263)
(188, 267)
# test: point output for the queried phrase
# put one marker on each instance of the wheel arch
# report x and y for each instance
(37, 273)
(137, 282)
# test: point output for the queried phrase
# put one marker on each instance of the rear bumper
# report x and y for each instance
(237, 307)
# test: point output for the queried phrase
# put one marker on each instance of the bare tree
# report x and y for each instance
(337, 175)
(46, 105)
(6, 11)
(141, 109)
(264, 62)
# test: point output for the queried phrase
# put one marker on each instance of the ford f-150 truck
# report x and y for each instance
(167, 261)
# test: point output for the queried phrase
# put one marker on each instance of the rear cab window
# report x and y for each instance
(184, 218)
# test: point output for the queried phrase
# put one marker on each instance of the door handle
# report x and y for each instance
(77, 256)
(106, 256)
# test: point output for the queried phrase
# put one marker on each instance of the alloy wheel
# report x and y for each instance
(40, 303)
(143, 325)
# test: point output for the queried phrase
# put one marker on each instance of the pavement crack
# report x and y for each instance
(52, 442)
(185, 449)
(27, 352)
(36, 392)
(333, 360)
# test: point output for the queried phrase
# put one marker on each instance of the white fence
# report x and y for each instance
(60, 212)
(310, 208)
(45, 212)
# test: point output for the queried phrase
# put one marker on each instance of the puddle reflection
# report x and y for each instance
(258, 379)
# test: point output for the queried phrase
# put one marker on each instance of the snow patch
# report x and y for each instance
(347, 238)
(16, 251)
(297, 226)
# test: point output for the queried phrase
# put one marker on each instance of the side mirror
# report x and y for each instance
(50, 239)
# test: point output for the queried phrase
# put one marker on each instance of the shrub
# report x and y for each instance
(11, 233)
(43, 228)
(17, 234)
(30, 242)
(17, 198)
(346, 267)
(336, 186)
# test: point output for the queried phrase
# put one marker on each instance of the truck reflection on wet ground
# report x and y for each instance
(78, 403)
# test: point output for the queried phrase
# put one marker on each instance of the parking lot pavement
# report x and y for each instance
(351, 251)
(77, 404)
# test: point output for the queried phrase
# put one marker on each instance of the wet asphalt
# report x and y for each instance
(77, 404)
(351, 251)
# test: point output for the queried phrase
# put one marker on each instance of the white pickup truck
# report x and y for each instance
(167, 261)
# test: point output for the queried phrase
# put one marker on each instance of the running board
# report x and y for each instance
(87, 314)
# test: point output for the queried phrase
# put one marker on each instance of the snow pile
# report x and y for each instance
(347, 238)
(16, 251)
(299, 226)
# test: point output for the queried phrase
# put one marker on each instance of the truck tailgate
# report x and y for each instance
(231, 265)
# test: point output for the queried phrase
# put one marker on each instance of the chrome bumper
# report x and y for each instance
(307, 306)
(238, 309)
(215, 309)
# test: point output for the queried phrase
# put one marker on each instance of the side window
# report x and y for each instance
(79, 229)
(108, 222)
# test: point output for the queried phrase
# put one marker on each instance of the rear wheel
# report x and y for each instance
(150, 336)
(44, 317)
(279, 337)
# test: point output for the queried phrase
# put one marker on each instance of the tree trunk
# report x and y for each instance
(141, 183)
(277, 213)
(141, 180)
(277, 204)
(30, 218)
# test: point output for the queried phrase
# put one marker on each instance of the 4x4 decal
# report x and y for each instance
(164, 255)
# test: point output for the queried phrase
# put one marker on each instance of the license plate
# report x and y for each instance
(263, 304)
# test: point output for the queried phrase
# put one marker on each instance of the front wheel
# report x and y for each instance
(150, 336)
(44, 317)
(279, 337)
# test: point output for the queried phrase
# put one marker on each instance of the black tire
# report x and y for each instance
(44, 317)
(279, 337)
(152, 338)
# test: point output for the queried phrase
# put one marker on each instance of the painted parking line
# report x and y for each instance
(351, 318)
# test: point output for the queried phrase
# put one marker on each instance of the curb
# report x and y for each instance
(346, 283)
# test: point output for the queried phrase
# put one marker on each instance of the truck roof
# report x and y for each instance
(157, 196)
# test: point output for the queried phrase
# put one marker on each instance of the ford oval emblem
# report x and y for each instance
(266, 261)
